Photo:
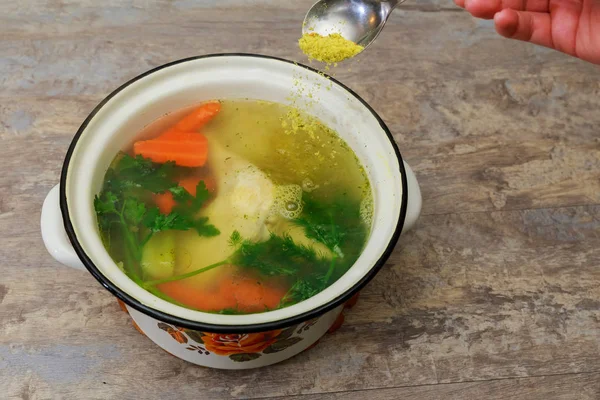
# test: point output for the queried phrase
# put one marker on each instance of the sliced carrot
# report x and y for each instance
(186, 149)
(169, 134)
(251, 295)
(211, 183)
(165, 202)
(190, 296)
(194, 121)
(199, 117)
(234, 292)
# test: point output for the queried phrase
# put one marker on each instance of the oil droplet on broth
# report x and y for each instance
(308, 185)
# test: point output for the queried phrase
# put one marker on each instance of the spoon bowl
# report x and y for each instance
(360, 21)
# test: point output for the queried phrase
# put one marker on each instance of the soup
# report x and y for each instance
(235, 207)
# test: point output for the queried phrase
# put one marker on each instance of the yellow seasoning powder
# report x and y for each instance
(328, 49)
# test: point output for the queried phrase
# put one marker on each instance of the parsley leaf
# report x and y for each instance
(156, 222)
(235, 238)
(138, 163)
(336, 224)
(159, 180)
(301, 290)
(142, 172)
(133, 210)
(202, 195)
(106, 209)
(277, 256)
(204, 229)
(106, 203)
(191, 204)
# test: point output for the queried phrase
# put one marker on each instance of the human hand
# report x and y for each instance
(570, 26)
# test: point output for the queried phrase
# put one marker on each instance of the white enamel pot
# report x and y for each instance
(70, 232)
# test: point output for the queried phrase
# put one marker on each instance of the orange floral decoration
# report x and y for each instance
(178, 335)
(225, 345)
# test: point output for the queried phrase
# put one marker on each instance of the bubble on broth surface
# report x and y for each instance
(288, 201)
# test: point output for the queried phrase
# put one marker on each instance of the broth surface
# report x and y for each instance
(272, 208)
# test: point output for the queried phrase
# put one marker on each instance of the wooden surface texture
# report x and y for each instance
(494, 295)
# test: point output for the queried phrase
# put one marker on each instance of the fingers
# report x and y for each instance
(528, 26)
(486, 9)
(566, 17)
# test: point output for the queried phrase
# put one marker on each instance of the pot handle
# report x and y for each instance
(53, 232)
(414, 202)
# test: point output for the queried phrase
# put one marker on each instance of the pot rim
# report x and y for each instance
(216, 328)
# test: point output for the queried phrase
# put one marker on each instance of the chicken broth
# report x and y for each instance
(224, 208)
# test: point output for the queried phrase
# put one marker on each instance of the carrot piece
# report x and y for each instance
(186, 149)
(211, 183)
(250, 295)
(165, 202)
(169, 134)
(193, 121)
(193, 297)
(239, 293)
(199, 117)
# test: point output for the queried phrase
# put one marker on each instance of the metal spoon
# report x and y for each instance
(360, 21)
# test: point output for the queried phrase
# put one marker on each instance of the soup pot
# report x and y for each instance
(71, 235)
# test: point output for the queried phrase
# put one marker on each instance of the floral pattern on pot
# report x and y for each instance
(238, 347)
(175, 332)
(244, 343)
(306, 325)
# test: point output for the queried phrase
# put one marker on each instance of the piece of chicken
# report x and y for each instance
(244, 199)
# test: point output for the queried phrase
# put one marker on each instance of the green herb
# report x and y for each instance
(230, 311)
(192, 204)
(336, 224)
(328, 222)
(126, 213)
(133, 210)
(156, 222)
(121, 207)
(149, 284)
(235, 239)
(301, 290)
(203, 228)
(277, 256)
(142, 172)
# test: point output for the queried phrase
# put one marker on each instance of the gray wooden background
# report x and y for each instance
(494, 295)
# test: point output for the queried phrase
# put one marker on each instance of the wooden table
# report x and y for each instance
(494, 295)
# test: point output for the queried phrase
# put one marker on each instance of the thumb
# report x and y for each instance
(534, 27)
